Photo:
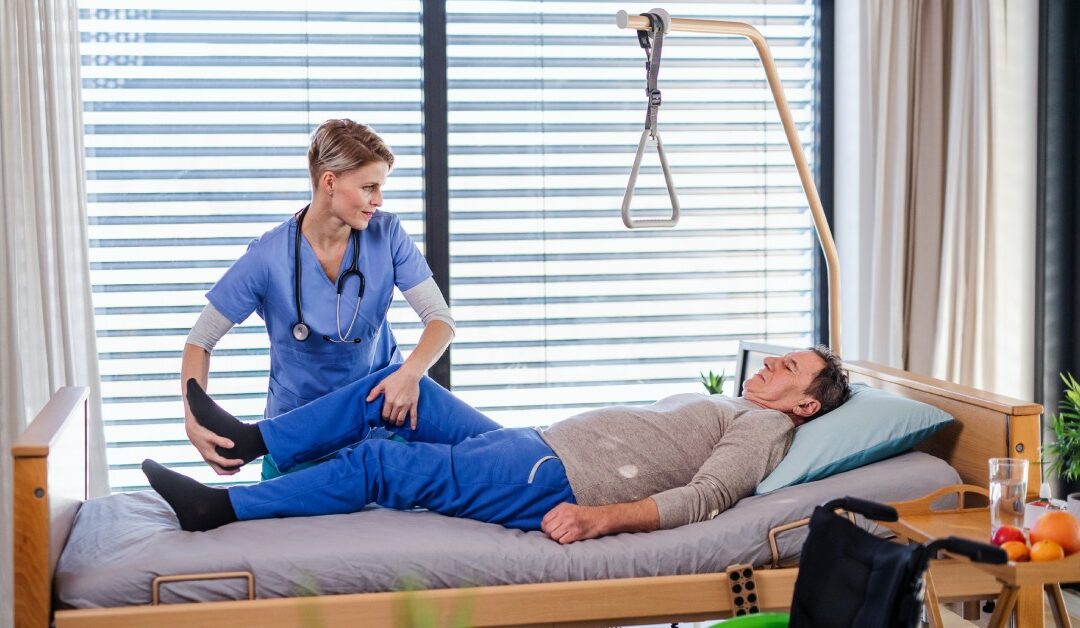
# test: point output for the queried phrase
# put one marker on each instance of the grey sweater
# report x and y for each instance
(695, 455)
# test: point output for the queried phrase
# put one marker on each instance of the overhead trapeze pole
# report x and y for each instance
(821, 225)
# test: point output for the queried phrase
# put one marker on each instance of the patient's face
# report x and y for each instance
(781, 383)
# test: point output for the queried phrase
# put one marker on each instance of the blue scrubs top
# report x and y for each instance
(262, 281)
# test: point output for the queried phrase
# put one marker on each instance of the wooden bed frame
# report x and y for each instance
(50, 476)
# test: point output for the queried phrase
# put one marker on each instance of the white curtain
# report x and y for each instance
(942, 244)
(46, 318)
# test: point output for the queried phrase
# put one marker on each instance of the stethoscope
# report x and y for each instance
(300, 329)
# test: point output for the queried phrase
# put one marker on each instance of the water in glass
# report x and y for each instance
(1008, 490)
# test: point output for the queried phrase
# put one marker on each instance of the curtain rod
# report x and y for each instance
(821, 225)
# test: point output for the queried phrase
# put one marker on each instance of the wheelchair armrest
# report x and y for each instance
(864, 507)
(976, 551)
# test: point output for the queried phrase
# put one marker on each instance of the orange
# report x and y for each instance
(1017, 551)
(1060, 527)
(1046, 550)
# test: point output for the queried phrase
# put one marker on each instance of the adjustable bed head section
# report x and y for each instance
(50, 482)
(987, 426)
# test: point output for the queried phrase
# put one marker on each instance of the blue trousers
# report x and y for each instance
(457, 462)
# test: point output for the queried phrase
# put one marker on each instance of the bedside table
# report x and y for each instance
(1019, 587)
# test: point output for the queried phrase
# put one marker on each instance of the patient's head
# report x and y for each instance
(802, 384)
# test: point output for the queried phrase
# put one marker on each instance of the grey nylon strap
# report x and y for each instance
(652, 67)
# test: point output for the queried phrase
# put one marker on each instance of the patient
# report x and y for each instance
(683, 459)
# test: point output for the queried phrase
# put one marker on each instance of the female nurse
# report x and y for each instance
(323, 281)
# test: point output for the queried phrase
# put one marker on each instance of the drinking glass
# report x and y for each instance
(1008, 491)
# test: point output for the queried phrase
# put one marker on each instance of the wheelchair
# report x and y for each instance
(849, 578)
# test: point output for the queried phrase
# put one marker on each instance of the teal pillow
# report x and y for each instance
(871, 425)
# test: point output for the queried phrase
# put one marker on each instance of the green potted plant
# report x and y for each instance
(713, 383)
(1063, 455)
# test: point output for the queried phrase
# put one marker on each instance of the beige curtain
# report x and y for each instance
(950, 191)
(46, 318)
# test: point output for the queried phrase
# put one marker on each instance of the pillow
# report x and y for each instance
(871, 425)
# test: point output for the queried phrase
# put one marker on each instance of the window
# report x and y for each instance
(197, 121)
(560, 308)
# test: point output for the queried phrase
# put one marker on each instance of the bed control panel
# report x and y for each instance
(743, 590)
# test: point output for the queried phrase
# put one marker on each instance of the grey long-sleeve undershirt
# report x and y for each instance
(425, 298)
(695, 455)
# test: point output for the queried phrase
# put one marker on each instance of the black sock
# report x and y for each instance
(247, 440)
(198, 507)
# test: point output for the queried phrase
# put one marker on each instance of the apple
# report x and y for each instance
(1005, 534)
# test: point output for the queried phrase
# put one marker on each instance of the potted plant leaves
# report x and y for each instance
(714, 383)
(1063, 455)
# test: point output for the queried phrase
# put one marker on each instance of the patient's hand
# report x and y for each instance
(567, 523)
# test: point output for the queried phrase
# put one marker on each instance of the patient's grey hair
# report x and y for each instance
(830, 387)
(341, 145)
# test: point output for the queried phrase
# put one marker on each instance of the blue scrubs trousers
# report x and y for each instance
(457, 462)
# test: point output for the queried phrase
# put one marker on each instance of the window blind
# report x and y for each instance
(197, 120)
(559, 308)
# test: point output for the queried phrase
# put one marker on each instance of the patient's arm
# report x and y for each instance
(567, 523)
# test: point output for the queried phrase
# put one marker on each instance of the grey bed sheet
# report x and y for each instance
(120, 543)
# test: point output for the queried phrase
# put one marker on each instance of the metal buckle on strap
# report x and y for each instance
(652, 42)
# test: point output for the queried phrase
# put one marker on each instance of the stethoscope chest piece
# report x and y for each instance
(301, 331)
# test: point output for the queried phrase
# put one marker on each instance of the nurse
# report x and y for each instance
(323, 281)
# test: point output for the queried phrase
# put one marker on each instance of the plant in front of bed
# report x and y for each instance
(714, 383)
(1063, 455)
(413, 611)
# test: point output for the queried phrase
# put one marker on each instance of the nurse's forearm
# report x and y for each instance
(432, 344)
(195, 364)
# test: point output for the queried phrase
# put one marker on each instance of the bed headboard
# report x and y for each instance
(986, 425)
(50, 483)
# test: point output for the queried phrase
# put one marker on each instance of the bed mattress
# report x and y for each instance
(120, 543)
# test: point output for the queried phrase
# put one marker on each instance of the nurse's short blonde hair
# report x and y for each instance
(341, 145)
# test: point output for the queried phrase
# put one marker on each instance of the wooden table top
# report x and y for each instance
(974, 524)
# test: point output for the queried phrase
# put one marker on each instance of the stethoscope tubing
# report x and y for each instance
(300, 329)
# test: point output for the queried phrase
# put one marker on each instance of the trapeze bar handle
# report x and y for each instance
(646, 223)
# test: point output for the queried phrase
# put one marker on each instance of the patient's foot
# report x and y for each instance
(247, 440)
(198, 507)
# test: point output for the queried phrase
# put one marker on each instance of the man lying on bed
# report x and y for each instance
(683, 459)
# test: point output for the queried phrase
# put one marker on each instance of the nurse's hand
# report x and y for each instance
(207, 442)
(401, 392)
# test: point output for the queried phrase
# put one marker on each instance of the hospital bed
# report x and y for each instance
(491, 575)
